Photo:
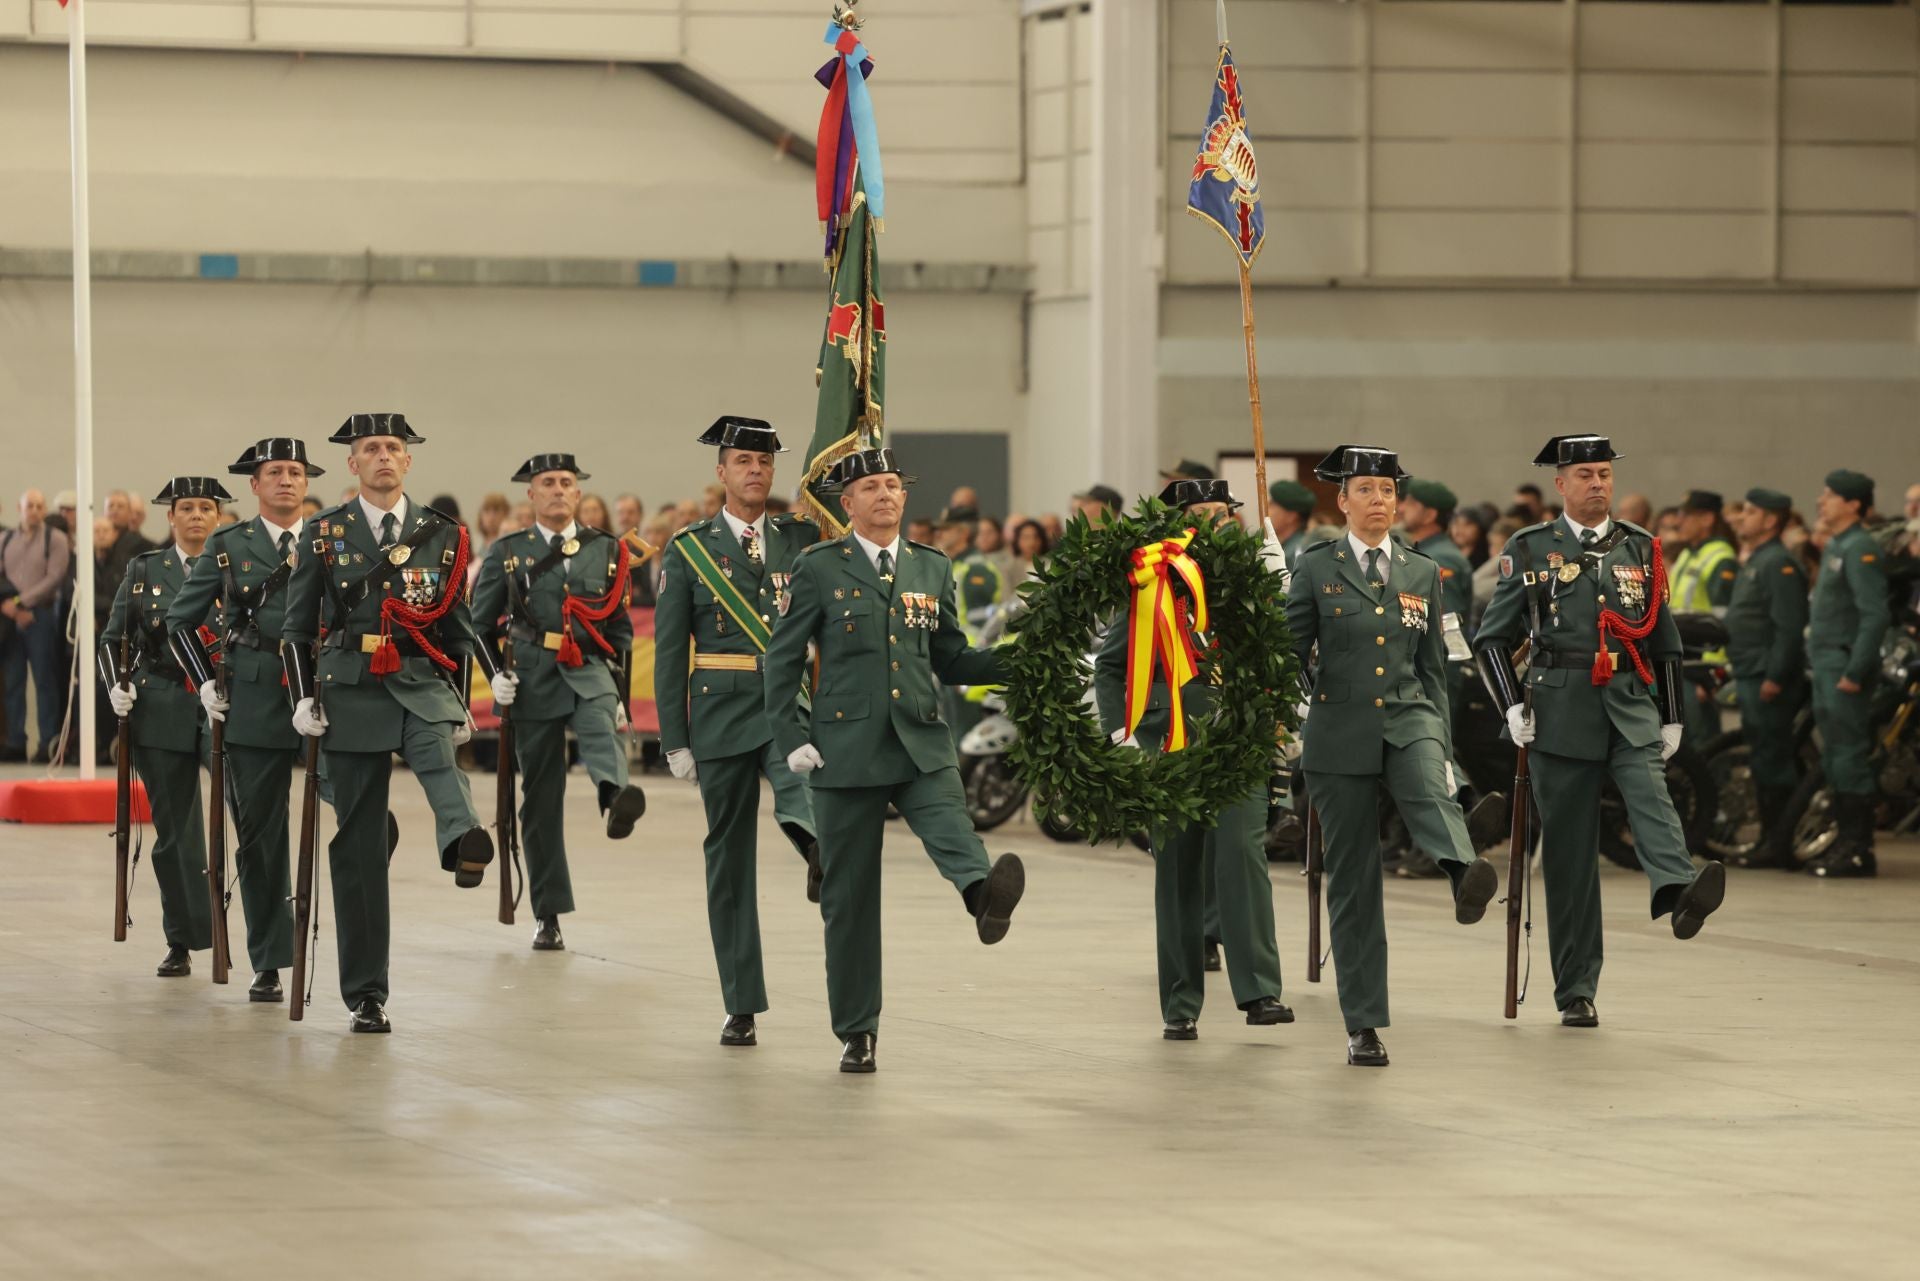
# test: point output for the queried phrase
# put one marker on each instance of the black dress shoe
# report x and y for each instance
(393, 835)
(266, 987)
(547, 937)
(1000, 895)
(1580, 1013)
(1181, 1030)
(178, 964)
(737, 1032)
(467, 857)
(624, 810)
(857, 1054)
(1698, 900)
(1266, 1011)
(1365, 1050)
(1489, 821)
(1476, 888)
(1213, 957)
(1844, 864)
(370, 1016)
(814, 873)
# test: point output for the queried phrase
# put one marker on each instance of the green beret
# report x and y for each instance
(1291, 495)
(1433, 494)
(1770, 499)
(1851, 485)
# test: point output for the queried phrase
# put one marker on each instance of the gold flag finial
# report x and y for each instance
(845, 15)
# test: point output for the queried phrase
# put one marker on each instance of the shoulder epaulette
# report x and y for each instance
(431, 510)
(820, 546)
(1311, 548)
(1536, 528)
(1423, 555)
(928, 547)
(1632, 528)
(693, 527)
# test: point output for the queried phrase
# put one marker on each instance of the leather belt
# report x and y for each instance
(728, 662)
(368, 642)
(1578, 660)
(525, 635)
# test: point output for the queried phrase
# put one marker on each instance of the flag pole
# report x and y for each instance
(82, 536)
(1253, 391)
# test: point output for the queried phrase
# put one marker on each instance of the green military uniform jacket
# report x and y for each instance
(1850, 608)
(1382, 676)
(1456, 573)
(549, 689)
(876, 720)
(239, 561)
(166, 714)
(1571, 713)
(365, 712)
(718, 712)
(1767, 616)
(1294, 544)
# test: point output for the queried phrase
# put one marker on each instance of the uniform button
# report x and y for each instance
(839, 715)
(1379, 640)
(1379, 671)
(896, 693)
(1323, 698)
(763, 591)
(892, 612)
(1336, 611)
(343, 582)
(765, 618)
(896, 664)
(893, 640)
(1603, 600)
(1379, 609)
(703, 689)
(1379, 702)
(386, 587)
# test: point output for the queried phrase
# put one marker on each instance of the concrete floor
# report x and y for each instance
(1747, 1110)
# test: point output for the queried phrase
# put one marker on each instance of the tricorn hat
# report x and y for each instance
(1360, 460)
(1565, 451)
(192, 487)
(548, 462)
(274, 449)
(1185, 492)
(862, 463)
(361, 426)
(730, 431)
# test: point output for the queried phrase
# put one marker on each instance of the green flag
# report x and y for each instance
(852, 372)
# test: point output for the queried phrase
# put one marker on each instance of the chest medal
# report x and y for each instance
(1630, 582)
(1413, 611)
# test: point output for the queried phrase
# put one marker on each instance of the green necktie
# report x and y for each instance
(1588, 538)
(286, 543)
(886, 569)
(1376, 578)
(388, 533)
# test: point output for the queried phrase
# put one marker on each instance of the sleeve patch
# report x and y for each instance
(1787, 570)
(1506, 567)
(1866, 558)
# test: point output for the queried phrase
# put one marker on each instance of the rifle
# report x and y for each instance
(217, 836)
(122, 796)
(1316, 866)
(303, 877)
(1519, 849)
(503, 816)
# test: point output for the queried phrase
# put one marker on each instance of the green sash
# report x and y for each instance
(701, 561)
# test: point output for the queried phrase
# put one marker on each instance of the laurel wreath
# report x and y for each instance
(1078, 776)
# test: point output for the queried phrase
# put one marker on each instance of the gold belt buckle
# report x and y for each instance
(1613, 659)
(369, 642)
(550, 640)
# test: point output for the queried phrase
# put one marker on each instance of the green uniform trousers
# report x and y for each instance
(1846, 732)
(1230, 860)
(179, 856)
(357, 854)
(540, 749)
(1768, 729)
(730, 790)
(1700, 716)
(1349, 809)
(851, 822)
(1567, 792)
(260, 780)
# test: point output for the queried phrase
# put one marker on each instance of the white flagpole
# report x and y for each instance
(82, 381)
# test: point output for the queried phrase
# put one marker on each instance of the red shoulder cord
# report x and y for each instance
(1613, 623)
(413, 620)
(588, 610)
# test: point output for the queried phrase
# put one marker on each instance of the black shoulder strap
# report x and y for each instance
(346, 600)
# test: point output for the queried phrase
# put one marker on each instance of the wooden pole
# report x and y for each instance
(1253, 393)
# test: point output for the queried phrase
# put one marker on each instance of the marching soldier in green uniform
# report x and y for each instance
(559, 591)
(1229, 859)
(881, 611)
(385, 577)
(1290, 508)
(1378, 715)
(241, 580)
(1603, 700)
(722, 586)
(168, 732)
(1766, 622)
(978, 588)
(1850, 619)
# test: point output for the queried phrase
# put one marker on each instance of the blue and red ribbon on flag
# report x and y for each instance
(848, 138)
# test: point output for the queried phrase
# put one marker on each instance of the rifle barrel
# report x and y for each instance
(122, 804)
(1519, 838)
(303, 881)
(1315, 868)
(217, 849)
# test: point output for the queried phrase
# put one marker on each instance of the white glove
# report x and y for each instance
(680, 761)
(1272, 553)
(1120, 738)
(1452, 784)
(1301, 710)
(210, 699)
(1520, 725)
(1669, 741)
(804, 759)
(619, 715)
(506, 687)
(121, 700)
(462, 733)
(308, 719)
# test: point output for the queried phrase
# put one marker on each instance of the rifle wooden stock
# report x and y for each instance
(1315, 869)
(1518, 841)
(217, 847)
(122, 804)
(303, 881)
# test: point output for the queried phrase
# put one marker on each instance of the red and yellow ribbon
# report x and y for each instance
(1158, 634)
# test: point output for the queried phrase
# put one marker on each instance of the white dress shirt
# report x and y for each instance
(873, 550)
(1360, 549)
(374, 516)
(739, 528)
